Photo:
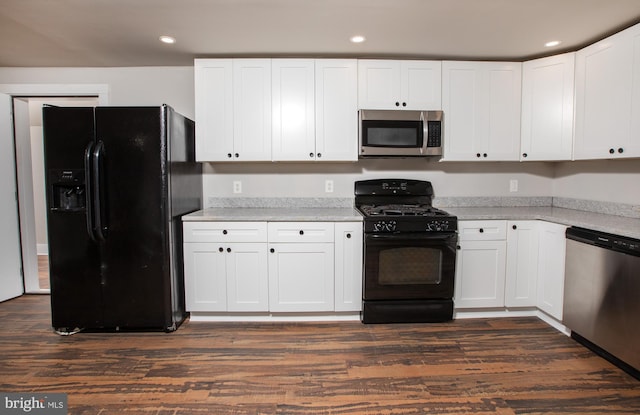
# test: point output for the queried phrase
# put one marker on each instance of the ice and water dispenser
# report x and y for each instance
(67, 190)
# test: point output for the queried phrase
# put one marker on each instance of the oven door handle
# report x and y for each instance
(431, 236)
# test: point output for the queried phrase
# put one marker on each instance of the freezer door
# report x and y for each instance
(135, 262)
(74, 264)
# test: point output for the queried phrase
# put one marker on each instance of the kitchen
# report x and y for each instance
(609, 181)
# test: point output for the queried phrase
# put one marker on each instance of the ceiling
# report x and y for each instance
(105, 33)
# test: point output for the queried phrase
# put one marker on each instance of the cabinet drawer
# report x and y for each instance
(300, 231)
(482, 230)
(225, 231)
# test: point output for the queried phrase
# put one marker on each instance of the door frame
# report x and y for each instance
(25, 202)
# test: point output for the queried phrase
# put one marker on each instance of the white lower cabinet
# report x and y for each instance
(522, 264)
(223, 272)
(205, 277)
(348, 266)
(300, 277)
(510, 264)
(247, 282)
(551, 268)
(480, 264)
(280, 267)
(301, 266)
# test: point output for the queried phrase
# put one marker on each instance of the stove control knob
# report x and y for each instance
(383, 226)
(438, 226)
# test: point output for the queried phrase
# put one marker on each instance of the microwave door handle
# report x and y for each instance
(425, 132)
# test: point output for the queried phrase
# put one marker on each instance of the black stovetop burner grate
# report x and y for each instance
(401, 210)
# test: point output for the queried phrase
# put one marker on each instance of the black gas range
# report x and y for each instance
(409, 252)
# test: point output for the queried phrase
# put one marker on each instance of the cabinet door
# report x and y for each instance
(394, 84)
(547, 108)
(336, 109)
(247, 277)
(608, 97)
(552, 248)
(481, 102)
(214, 109)
(462, 105)
(293, 109)
(252, 109)
(522, 264)
(480, 274)
(301, 277)
(378, 84)
(503, 106)
(421, 85)
(348, 266)
(205, 277)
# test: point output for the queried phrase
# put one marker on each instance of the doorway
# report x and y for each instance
(31, 184)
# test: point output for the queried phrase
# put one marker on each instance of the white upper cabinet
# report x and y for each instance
(394, 84)
(547, 108)
(252, 109)
(276, 109)
(336, 109)
(214, 109)
(608, 98)
(293, 86)
(481, 103)
(315, 112)
(233, 109)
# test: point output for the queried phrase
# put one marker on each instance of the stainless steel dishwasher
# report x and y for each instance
(602, 295)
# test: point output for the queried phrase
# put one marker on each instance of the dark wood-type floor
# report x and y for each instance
(497, 366)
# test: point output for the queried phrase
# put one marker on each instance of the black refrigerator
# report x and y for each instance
(118, 180)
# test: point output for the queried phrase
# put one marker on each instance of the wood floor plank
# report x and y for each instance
(483, 366)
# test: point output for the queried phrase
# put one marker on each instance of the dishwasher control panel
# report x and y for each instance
(605, 240)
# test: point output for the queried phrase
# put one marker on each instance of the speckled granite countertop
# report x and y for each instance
(617, 218)
(618, 225)
(275, 214)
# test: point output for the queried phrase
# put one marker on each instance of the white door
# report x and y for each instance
(247, 277)
(480, 274)
(336, 109)
(522, 264)
(301, 277)
(10, 258)
(551, 264)
(293, 110)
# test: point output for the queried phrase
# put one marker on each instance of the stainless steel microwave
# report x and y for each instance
(391, 133)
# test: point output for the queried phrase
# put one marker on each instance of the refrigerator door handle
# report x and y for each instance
(88, 152)
(99, 208)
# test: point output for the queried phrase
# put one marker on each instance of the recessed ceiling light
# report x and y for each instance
(552, 43)
(167, 39)
(357, 39)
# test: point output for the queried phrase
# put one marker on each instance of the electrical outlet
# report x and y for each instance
(237, 186)
(513, 185)
(328, 186)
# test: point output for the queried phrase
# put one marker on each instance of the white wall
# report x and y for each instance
(602, 180)
(307, 180)
(127, 86)
(613, 181)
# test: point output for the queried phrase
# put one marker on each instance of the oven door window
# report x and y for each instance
(403, 134)
(409, 267)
